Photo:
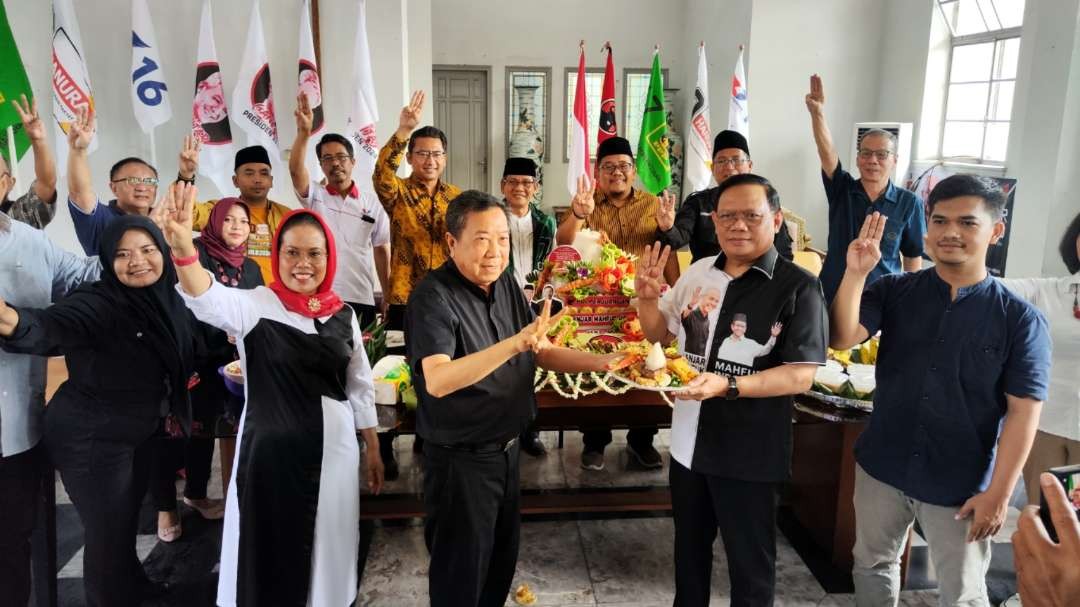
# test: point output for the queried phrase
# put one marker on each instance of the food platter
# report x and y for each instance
(840, 401)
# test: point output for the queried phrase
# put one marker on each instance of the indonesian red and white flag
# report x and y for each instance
(253, 97)
(363, 110)
(579, 133)
(699, 153)
(71, 88)
(210, 112)
(738, 108)
(308, 84)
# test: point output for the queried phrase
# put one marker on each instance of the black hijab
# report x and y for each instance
(158, 306)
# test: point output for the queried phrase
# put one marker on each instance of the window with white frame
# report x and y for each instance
(981, 78)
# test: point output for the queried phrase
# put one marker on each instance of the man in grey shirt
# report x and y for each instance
(33, 272)
(38, 205)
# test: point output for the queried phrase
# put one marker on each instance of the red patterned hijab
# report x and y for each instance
(324, 302)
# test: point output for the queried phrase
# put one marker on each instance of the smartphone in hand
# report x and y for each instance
(1069, 477)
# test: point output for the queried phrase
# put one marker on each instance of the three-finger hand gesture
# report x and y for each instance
(305, 117)
(865, 251)
(179, 205)
(189, 156)
(410, 114)
(665, 212)
(650, 271)
(81, 130)
(815, 99)
(583, 203)
(28, 114)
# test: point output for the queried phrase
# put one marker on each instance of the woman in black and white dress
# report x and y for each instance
(291, 519)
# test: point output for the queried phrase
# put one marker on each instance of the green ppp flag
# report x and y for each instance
(653, 164)
(13, 84)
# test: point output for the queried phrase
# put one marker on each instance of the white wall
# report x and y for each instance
(790, 40)
(105, 27)
(498, 34)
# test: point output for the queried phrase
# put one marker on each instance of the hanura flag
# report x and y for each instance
(699, 154)
(363, 111)
(71, 90)
(308, 84)
(579, 132)
(149, 94)
(653, 163)
(253, 98)
(607, 126)
(209, 112)
(738, 109)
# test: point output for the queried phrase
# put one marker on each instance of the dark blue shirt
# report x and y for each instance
(943, 370)
(89, 226)
(848, 207)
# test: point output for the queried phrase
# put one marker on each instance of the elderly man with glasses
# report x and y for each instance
(693, 225)
(133, 182)
(630, 218)
(852, 200)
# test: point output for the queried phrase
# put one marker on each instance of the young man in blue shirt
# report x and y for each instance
(962, 371)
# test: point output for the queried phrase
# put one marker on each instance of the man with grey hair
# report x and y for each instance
(33, 274)
(851, 200)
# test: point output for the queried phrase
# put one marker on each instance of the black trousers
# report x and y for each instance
(20, 490)
(595, 439)
(104, 461)
(195, 454)
(395, 317)
(472, 526)
(745, 514)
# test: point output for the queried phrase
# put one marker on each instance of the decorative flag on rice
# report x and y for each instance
(308, 84)
(607, 128)
(579, 131)
(71, 90)
(253, 96)
(699, 156)
(739, 109)
(209, 112)
(653, 164)
(149, 94)
(13, 84)
(363, 110)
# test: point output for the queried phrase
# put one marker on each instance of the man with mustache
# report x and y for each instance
(852, 200)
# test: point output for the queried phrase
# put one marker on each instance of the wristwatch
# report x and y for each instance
(732, 388)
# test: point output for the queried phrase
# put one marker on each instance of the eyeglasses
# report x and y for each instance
(621, 167)
(750, 218)
(425, 154)
(339, 158)
(520, 182)
(136, 181)
(881, 155)
(730, 162)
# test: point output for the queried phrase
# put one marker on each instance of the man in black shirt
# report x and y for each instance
(693, 225)
(474, 345)
(731, 425)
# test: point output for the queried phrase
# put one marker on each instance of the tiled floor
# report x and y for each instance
(614, 562)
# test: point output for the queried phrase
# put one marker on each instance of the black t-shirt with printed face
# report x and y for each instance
(449, 315)
(750, 438)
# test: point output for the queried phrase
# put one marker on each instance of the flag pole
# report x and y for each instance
(153, 150)
(13, 160)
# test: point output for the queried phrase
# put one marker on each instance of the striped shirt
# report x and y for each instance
(632, 226)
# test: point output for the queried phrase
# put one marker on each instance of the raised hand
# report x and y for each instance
(665, 212)
(189, 156)
(865, 251)
(776, 328)
(28, 114)
(410, 114)
(305, 118)
(583, 203)
(81, 130)
(179, 203)
(695, 297)
(815, 99)
(650, 271)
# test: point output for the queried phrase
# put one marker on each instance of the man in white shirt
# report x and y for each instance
(739, 348)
